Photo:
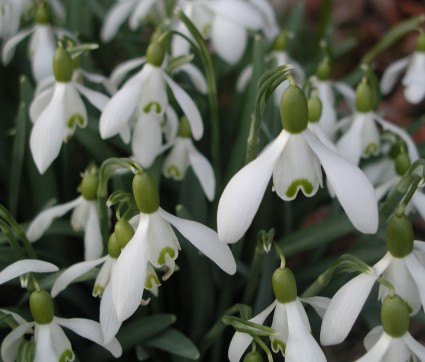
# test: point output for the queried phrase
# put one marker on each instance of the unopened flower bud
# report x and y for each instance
(184, 128)
(402, 163)
(323, 71)
(123, 232)
(62, 65)
(284, 285)
(253, 357)
(89, 186)
(399, 236)
(364, 97)
(314, 109)
(145, 193)
(395, 316)
(294, 110)
(155, 54)
(420, 43)
(114, 247)
(41, 306)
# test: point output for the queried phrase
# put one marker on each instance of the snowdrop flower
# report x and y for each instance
(57, 111)
(10, 16)
(183, 154)
(24, 266)
(400, 266)
(156, 242)
(146, 92)
(51, 343)
(293, 333)
(270, 26)
(391, 341)
(295, 159)
(414, 78)
(84, 217)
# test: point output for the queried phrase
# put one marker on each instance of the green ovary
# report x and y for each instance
(173, 170)
(151, 279)
(164, 252)
(279, 344)
(371, 148)
(75, 118)
(152, 104)
(303, 183)
(67, 355)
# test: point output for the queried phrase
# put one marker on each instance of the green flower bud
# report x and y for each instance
(62, 65)
(123, 233)
(155, 54)
(364, 97)
(284, 285)
(420, 43)
(281, 41)
(253, 357)
(294, 110)
(89, 186)
(184, 128)
(314, 109)
(41, 306)
(145, 193)
(402, 163)
(395, 316)
(114, 247)
(399, 236)
(324, 70)
(42, 15)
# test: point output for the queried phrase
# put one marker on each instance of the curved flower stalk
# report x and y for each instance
(183, 153)
(146, 92)
(155, 241)
(58, 110)
(295, 159)
(414, 78)
(84, 217)
(293, 333)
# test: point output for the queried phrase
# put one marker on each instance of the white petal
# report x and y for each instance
(172, 124)
(344, 308)
(414, 93)
(370, 138)
(188, 107)
(228, 39)
(241, 341)
(418, 201)
(378, 350)
(414, 346)
(104, 276)
(42, 48)
(177, 161)
(203, 171)
(72, 273)
(238, 12)
(75, 110)
(115, 17)
(15, 316)
(10, 345)
(122, 69)
(319, 304)
(397, 351)
(270, 26)
(392, 73)
(80, 215)
(93, 244)
(205, 240)
(90, 330)
(129, 274)
(244, 78)
(327, 119)
(243, 194)
(108, 318)
(301, 345)
(21, 267)
(45, 350)
(153, 96)
(415, 78)
(373, 337)
(45, 218)
(140, 12)
(40, 102)
(196, 77)
(350, 144)
(98, 99)
(351, 186)
(48, 131)
(417, 271)
(280, 325)
(9, 47)
(381, 171)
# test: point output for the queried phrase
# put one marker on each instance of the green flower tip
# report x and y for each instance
(281, 41)
(364, 97)
(114, 247)
(145, 193)
(284, 285)
(294, 110)
(402, 163)
(155, 54)
(420, 43)
(314, 109)
(123, 233)
(184, 128)
(399, 236)
(42, 15)
(395, 316)
(62, 65)
(41, 306)
(253, 356)
(89, 186)
(324, 70)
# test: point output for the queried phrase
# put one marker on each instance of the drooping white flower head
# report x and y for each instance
(295, 159)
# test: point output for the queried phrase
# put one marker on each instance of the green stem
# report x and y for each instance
(264, 347)
(5, 229)
(387, 284)
(417, 179)
(254, 274)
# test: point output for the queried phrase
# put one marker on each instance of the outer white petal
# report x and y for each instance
(415, 78)
(140, 12)
(397, 351)
(128, 278)
(171, 125)
(417, 271)
(417, 349)
(328, 117)
(48, 131)
(93, 244)
(205, 240)
(377, 352)
(188, 107)
(243, 194)
(238, 12)
(301, 345)
(15, 316)
(104, 276)
(45, 218)
(40, 102)
(319, 304)
(392, 73)
(98, 99)
(10, 345)
(196, 77)
(115, 17)
(90, 330)
(9, 47)
(270, 27)
(418, 201)
(228, 39)
(44, 348)
(241, 341)
(108, 318)
(373, 337)
(414, 93)
(381, 171)
(42, 48)
(122, 69)
(21, 267)
(72, 273)
(351, 186)
(350, 144)
(244, 78)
